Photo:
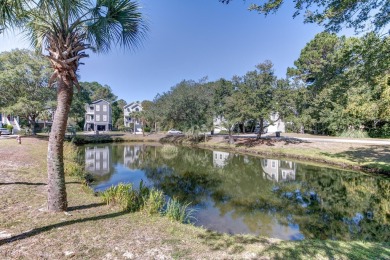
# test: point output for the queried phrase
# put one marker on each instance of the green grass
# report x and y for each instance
(155, 202)
(326, 249)
(125, 196)
(176, 211)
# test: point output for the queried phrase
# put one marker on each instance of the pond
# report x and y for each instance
(240, 194)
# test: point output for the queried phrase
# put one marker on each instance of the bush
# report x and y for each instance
(176, 211)
(10, 128)
(380, 132)
(155, 202)
(147, 129)
(354, 134)
(125, 196)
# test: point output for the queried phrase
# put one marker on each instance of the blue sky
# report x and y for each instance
(191, 39)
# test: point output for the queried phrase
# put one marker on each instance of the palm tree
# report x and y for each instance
(10, 12)
(64, 30)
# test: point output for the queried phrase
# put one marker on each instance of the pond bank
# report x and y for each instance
(90, 229)
(367, 158)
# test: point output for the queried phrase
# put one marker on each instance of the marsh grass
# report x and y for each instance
(151, 201)
(176, 211)
(125, 196)
(155, 202)
(74, 163)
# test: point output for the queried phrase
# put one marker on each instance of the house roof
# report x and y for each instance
(133, 105)
(97, 101)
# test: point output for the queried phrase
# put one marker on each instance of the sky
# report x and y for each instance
(192, 39)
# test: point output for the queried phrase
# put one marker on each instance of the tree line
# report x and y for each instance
(337, 86)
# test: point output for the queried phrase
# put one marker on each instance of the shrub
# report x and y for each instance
(147, 129)
(176, 211)
(382, 131)
(10, 128)
(155, 202)
(125, 196)
(354, 134)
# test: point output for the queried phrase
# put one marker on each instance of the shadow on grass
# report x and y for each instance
(268, 141)
(23, 183)
(373, 157)
(178, 139)
(231, 243)
(93, 205)
(37, 231)
(314, 249)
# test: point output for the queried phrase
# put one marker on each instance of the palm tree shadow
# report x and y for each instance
(23, 183)
(85, 206)
(37, 231)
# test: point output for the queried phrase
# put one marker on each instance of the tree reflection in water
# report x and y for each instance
(242, 194)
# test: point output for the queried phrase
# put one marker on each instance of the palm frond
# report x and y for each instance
(115, 22)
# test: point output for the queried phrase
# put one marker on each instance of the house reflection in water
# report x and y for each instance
(220, 158)
(131, 156)
(278, 170)
(98, 160)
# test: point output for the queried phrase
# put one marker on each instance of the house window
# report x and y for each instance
(104, 118)
(273, 164)
(105, 108)
(97, 117)
(97, 107)
(128, 109)
(137, 109)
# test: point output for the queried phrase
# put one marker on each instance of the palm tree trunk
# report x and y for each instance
(57, 200)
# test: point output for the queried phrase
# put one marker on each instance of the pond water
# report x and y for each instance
(240, 194)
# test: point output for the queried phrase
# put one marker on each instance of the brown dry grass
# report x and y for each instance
(92, 230)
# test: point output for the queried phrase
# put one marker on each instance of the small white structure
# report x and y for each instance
(128, 119)
(278, 170)
(277, 125)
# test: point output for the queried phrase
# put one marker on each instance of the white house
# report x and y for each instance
(278, 125)
(128, 119)
(10, 120)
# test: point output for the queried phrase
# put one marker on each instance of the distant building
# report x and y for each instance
(6, 119)
(98, 116)
(278, 125)
(128, 119)
(278, 170)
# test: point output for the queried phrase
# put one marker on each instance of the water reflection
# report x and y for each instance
(278, 170)
(243, 194)
(220, 158)
(98, 160)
